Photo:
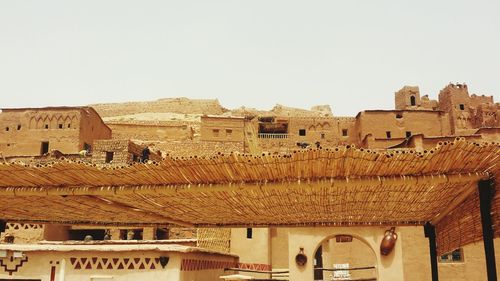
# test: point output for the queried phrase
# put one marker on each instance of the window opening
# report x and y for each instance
(46, 126)
(462, 107)
(408, 134)
(344, 132)
(388, 134)
(18, 127)
(109, 156)
(454, 256)
(60, 126)
(413, 101)
(249, 233)
(302, 132)
(7, 129)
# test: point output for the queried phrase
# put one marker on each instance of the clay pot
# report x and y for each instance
(301, 258)
(388, 242)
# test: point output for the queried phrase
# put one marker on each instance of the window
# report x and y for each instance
(46, 126)
(69, 126)
(388, 134)
(322, 135)
(109, 156)
(344, 132)
(408, 134)
(229, 132)
(413, 101)
(44, 147)
(456, 255)
(462, 106)
(215, 132)
(302, 132)
(60, 126)
(6, 129)
(343, 238)
(249, 233)
(18, 127)
(399, 116)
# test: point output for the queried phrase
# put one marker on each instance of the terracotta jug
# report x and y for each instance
(388, 241)
(301, 258)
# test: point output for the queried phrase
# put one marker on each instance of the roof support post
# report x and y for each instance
(3, 225)
(430, 232)
(486, 192)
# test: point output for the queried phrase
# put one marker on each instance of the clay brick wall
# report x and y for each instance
(152, 131)
(229, 129)
(123, 151)
(198, 148)
(175, 105)
(66, 129)
(379, 122)
(402, 98)
(92, 127)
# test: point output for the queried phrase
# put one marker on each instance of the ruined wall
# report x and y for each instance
(151, 131)
(23, 131)
(92, 128)
(228, 129)
(176, 105)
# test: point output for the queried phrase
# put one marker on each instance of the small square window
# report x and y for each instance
(344, 132)
(302, 132)
(60, 126)
(408, 134)
(388, 134)
(69, 125)
(7, 129)
(46, 126)
(215, 132)
(18, 127)
(462, 107)
(229, 132)
(322, 135)
(399, 116)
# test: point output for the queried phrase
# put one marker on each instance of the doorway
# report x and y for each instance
(44, 149)
(344, 257)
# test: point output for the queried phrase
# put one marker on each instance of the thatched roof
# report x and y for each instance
(340, 186)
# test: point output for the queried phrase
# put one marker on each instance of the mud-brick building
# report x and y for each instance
(37, 131)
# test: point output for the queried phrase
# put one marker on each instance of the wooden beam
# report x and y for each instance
(486, 191)
(430, 232)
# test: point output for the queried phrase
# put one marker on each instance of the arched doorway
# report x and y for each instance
(344, 257)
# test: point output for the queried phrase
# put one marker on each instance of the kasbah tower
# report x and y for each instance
(183, 189)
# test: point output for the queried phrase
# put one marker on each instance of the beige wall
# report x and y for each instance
(222, 129)
(151, 132)
(24, 233)
(67, 130)
(377, 123)
(279, 248)
(181, 266)
(92, 127)
(256, 250)
(356, 253)
(389, 267)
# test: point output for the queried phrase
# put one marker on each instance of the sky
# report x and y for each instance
(352, 55)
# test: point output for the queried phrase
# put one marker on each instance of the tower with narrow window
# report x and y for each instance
(407, 97)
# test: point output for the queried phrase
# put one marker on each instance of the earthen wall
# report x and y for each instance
(23, 131)
(225, 129)
(175, 105)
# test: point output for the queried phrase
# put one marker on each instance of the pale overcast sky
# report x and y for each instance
(352, 55)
